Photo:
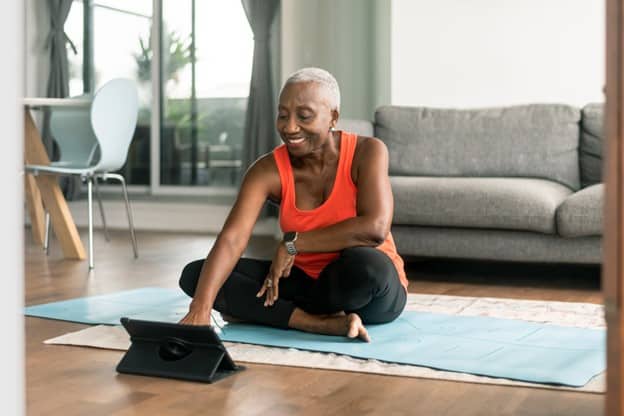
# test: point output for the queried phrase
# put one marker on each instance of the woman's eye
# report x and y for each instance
(282, 117)
(304, 117)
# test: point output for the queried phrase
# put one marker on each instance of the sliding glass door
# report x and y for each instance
(191, 60)
(116, 36)
(206, 60)
(121, 31)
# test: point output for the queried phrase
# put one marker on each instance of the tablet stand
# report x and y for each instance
(175, 351)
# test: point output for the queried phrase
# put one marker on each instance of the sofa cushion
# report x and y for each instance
(535, 141)
(498, 203)
(580, 215)
(590, 147)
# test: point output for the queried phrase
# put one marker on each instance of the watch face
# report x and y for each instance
(290, 248)
(289, 236)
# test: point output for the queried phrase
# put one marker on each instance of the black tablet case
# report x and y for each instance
(186, 352)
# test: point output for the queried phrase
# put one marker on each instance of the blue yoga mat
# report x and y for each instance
(505, 348)
(149, 303)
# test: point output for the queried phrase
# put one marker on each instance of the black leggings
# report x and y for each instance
(361, 280)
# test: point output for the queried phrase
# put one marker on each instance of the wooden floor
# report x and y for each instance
(64, 380)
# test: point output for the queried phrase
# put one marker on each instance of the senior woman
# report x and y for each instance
(337, 267)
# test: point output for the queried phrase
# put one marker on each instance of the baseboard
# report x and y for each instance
(186, 217)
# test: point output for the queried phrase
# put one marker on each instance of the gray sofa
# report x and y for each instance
(520, 183)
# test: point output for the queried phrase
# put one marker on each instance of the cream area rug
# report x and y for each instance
(584, 315)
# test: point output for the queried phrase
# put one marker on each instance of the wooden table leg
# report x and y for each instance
(60, 216)
(35, 208)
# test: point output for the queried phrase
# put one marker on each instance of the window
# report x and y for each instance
(75, 31)
(206, 58)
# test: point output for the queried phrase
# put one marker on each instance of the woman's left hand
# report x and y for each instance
(280, 267)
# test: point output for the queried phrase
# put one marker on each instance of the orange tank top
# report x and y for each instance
(339, 206)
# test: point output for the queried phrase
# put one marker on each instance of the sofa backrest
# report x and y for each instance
(359, 127)
(591, 146)
(537, 140)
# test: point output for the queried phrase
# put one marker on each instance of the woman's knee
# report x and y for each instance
(365, 267)
(385, 309)
(189, 279)
(377, 317)
(190, 276)
(190, 273)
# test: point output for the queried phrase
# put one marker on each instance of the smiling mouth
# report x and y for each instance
(296, 141)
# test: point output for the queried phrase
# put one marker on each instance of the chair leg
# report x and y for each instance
(101, 206)
(121, 179)
(46, 239)
(90, 199)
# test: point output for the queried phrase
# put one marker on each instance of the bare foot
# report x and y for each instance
(337, 324)
(356, 328)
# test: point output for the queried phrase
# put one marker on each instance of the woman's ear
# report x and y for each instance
(335, 116)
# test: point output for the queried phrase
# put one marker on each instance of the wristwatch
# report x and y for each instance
(289, 242)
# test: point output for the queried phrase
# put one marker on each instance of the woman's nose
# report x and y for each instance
(291, 125)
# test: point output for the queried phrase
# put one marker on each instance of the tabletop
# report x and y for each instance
(36, 102)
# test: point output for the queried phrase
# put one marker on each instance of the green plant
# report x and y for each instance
(178, 57)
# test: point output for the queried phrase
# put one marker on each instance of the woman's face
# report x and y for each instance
(304, 117)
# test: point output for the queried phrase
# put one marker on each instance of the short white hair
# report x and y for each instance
(321, 77)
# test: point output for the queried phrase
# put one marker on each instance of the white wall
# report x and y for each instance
(350, 39)
(458, 53)
(11, 218)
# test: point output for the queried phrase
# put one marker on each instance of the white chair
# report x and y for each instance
(94, 143)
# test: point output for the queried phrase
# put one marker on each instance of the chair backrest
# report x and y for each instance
(114, 113)
(71, 129)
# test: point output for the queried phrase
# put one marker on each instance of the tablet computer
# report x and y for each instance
(187, 352)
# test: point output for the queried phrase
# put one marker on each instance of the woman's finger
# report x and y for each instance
(262, 289)
(271, 281)
(266, 284)
(267, 288)
(269, 294)
(275, 290)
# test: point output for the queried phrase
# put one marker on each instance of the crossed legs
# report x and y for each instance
(360, 287)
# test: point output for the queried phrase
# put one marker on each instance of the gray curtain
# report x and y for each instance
(259, 120)
(259, 135)
(58, 81)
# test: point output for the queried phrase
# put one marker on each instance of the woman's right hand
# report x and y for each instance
(280, 268)
(197, 316)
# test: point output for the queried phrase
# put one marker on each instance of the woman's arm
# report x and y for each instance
(375, 205)
(232, 240)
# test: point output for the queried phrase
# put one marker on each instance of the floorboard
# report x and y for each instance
(63, 380)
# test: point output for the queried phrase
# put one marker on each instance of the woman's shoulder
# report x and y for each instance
(368, 146)
(263, 173)
(370, 141)
(264, 166)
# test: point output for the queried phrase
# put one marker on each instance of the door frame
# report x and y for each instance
(613, 262)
